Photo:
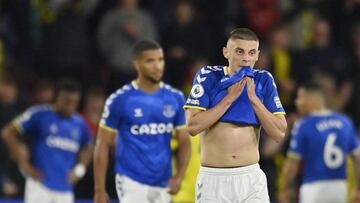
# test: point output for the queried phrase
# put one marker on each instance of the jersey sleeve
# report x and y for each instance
(354, 145)
(296, 148)
(199, 94)
(111, 115)
(180, 120)
(271, 100)
(26, 122)
(86, 135)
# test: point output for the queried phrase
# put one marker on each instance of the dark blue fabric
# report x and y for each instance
(210, 87)
(241, 109)
(246, 71)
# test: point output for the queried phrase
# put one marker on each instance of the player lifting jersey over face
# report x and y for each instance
(226, 105)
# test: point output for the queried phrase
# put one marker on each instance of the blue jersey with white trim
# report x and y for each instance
(210, 87)
(323, 142)
(145, 123)
(54, 142)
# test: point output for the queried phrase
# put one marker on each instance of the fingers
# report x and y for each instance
(31, 171)
(249, 81)
(174, 186)
(239, 86)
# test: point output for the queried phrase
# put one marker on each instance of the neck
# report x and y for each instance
(319, 109)
(147, 85)
(232, 70)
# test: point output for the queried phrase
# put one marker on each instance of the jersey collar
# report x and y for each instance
(324, 112)
(136, 86)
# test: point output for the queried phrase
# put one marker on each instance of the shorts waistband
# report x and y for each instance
(228, 171)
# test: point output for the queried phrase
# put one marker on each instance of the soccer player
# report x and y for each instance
(229, 104)
(57, 147)
(143, 116)
(321, 140)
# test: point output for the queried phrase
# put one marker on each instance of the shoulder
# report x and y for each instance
(79, 119)
(120, 94)
(262, 74)
(172, 91)
(206, 74)
(300, 125)
(346, 119)
(34, 111)
(264, 77)
(39, 109)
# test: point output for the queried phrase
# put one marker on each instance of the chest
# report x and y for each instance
(145, 109)
(53, 126)
(217, 92)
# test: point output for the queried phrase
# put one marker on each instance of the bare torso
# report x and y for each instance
(229, 145)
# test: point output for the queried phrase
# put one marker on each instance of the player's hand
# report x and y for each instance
(235, 90)
(29, 170)
(250, 88)
(101, 197)
(356, 197)
(73, 179)
(285, 196)
(174, 184)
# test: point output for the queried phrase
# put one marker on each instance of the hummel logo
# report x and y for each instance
(138, 113)
(200, 79)
(204, 71)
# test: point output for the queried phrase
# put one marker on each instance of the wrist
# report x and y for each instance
(253, 99)
(180, 176)
(79, 170)
(23, 163)
(100, 190)
(228, 100)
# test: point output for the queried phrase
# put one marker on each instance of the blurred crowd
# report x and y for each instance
(91, 40)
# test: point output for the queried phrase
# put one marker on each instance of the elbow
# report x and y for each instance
(193, 130)
(280, 135)
(4, 133)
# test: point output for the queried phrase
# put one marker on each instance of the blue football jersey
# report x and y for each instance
(54, 142)
(210, 87)
(145, 123)
(323, 142)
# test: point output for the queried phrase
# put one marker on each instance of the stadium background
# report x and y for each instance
(43, 40)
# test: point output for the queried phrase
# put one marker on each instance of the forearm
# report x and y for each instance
(274, 126)
(86, 155)
(15, 147)
(183, 157)
(356, 159)
(289, 172)
(205, 119)
(79, 169)
(101, 154)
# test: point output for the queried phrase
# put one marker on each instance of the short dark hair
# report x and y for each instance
(144, 45)
(313, 86)
(243, 33)
(68, 85)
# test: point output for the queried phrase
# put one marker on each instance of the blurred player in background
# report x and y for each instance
(144, 115)
(57, 148)
(321, 140)
(228, 104)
